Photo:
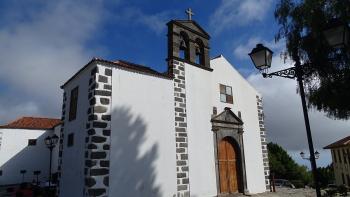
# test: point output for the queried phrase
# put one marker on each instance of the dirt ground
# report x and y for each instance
(286, 192)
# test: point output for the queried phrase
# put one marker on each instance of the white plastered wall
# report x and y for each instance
(142, 136)
(16, 155)
(200, 137)
(72, 178)
(244, 100)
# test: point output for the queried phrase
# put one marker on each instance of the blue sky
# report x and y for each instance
(43, 43)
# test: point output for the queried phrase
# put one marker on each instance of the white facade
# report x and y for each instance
(142, 142)
(143, 146)
(202, 94)
(244, 101)
(200, 137)
(341, 165)
(72, 179)
(131, 131)
(17, 155)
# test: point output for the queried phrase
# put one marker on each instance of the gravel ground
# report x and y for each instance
(286, 192)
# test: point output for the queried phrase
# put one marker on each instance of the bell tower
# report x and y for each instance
(188, 42)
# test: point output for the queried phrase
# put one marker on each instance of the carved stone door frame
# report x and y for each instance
(227, 124)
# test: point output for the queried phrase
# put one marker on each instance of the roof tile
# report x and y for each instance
(33, 123)
(340, 143)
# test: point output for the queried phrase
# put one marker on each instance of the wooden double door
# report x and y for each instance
(229, 166)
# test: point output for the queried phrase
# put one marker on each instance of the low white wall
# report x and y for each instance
(142, 160)
(16, 155)
(200, 137)
(244, 100)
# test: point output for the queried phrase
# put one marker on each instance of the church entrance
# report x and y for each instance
(229, 166)
(229, 153)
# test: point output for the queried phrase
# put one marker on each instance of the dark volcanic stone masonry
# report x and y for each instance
(98, 132)
(60, 145)
(183, 187)
(263, 141)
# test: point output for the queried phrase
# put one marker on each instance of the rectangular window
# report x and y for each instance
(73, 104)
(339, 156)
(343, 178)
(226, 94)
(348, 177)
(335, 156)
(70, 140)
(0, 172)
(31, 142)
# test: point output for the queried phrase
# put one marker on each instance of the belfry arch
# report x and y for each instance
(187, 41)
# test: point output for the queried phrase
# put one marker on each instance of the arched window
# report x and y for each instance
(184, 46)
(199, 52)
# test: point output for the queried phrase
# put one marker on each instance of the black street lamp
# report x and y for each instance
(337, 34)
(51, 143)
(262, 58)
(23, 172)
(302, 154)
(37, 173)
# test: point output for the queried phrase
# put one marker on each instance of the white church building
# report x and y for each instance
(196, 130)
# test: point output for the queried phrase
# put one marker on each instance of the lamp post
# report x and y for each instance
(37, 173)
(23, 172)
(262, 58)
(317, 155)
(337, 35)
(51, 142)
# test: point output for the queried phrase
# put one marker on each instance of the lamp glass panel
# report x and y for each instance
(259, 59)
(47, 140)
(317, 154)
(55, 139)
(335, 36)
(268, 59)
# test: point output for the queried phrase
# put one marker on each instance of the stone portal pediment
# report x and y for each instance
(227, 117)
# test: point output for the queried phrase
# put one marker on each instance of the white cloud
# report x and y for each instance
(9, 113)
(41, 51)
(284, 116)
(236, 12)
(43, 43)
(242, 49)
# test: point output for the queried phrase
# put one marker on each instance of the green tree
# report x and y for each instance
(284, 167)
(301, 25)
(326, 175)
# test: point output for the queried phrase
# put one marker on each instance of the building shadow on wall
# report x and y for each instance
(132, 157)
(30, 158)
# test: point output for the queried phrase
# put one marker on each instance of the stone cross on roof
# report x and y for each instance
(189, 13)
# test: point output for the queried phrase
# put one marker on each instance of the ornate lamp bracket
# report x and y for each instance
(292, 72)
(286, 73)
